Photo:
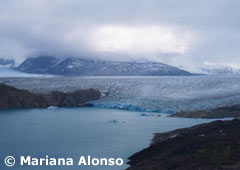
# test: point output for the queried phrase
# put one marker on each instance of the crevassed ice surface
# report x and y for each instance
(152, 93)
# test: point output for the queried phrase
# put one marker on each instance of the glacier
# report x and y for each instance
(8, 72)
(166, 94)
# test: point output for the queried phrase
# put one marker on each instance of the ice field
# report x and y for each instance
(163, 94)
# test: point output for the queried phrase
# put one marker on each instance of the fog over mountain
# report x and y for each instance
(176, 32)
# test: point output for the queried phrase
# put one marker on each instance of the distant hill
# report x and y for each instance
(88, 67)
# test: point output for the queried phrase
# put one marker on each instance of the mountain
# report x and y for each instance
(39, 65)
(212, 70)
(88, 67)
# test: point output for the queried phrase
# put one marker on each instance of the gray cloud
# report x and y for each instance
(178, 32)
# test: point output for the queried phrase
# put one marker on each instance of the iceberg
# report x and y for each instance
(52, 108)
(144, 114)
(113, 121)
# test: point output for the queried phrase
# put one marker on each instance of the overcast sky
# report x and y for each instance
(177, 32)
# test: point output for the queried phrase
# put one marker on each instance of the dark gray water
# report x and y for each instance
(73, 132)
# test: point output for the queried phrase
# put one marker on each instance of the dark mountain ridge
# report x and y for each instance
(13, 98)
(88, 67)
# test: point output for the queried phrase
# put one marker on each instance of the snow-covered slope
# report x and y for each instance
(86, 67)
(7, 63)
(212, 70)
(220, 70)
(9, 72)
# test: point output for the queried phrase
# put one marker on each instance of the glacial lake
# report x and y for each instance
(75, 132)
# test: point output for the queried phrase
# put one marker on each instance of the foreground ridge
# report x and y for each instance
(210, 146)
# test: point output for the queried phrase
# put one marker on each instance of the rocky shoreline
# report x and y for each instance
(209, 146)
(13, 98)
(218, 113)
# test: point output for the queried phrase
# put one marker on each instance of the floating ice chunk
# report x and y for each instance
(169, 111)
(144, 114)
(52, 108)
(113, 121)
